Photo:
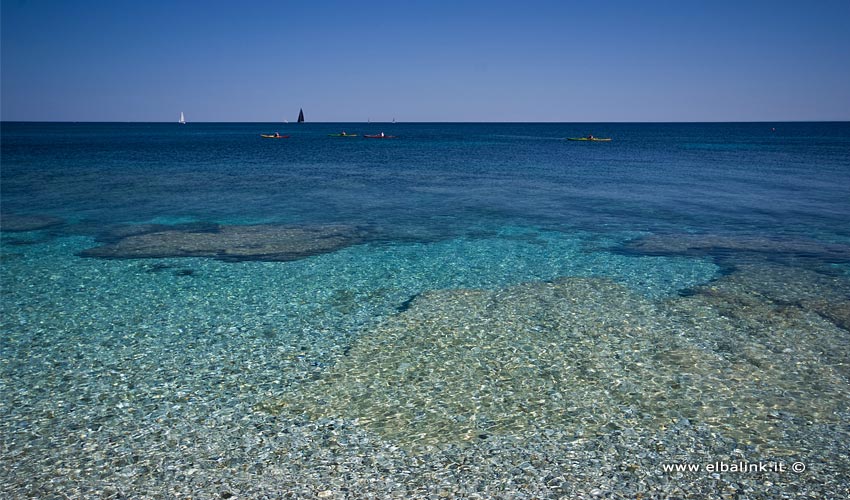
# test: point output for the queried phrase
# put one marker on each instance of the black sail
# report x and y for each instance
(301, 116)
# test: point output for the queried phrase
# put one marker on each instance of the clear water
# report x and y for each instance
(447, 207)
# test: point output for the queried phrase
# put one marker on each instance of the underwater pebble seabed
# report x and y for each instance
(524, 364)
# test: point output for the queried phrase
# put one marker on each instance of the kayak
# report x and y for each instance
(272, 136)
(590, 139)
(342, 135)
(379, 136)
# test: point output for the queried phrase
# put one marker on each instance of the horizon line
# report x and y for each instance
(433, 121)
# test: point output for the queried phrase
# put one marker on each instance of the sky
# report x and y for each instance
(416, 60)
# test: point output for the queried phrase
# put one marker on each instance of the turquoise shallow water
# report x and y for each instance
(693, 254)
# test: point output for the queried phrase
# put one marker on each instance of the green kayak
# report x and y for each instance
(590, 139)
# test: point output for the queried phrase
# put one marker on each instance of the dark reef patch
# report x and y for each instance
(20, 223)
(264, 242)
(729, 249)
(118, 233)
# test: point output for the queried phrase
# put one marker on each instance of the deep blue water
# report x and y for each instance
(440, 179)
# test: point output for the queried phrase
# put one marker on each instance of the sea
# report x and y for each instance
(455, 309)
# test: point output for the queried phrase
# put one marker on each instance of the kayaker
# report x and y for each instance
(277, 134)
(590, 137)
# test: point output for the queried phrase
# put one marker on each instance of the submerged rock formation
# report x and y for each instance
(266, 242)
(20, 223)
(781, 249)
(583, 356)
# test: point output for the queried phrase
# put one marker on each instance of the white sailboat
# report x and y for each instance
(182, 119)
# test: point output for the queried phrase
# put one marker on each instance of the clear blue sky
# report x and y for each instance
(492, 60)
